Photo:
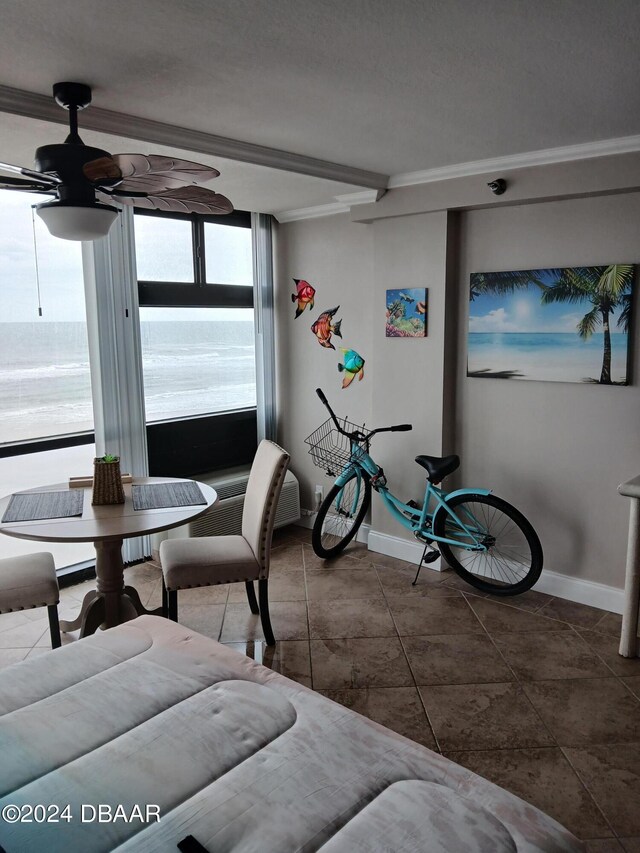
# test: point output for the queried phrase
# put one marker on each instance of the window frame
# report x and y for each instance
(41, 445)
(199, 433)
(200, 293)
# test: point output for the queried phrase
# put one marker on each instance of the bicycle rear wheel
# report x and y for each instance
(341, 515)
(512, 561)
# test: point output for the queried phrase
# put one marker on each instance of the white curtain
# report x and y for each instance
(264, 324)
(113, 327)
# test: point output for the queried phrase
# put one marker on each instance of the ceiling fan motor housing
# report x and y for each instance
(66, 160)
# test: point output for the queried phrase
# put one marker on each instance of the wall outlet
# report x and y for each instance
(318, 495)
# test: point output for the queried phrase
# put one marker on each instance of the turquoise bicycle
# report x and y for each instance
(488, 542)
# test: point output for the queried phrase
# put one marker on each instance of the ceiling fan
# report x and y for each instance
(84, 179)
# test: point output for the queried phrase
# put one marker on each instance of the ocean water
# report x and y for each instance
(559, 357)
(190, 367)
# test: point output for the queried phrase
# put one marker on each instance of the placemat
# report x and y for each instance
(37, 505)
(160, 495)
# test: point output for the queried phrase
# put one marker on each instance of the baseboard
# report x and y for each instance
(552, 583)
(401, 549)
(581, 591)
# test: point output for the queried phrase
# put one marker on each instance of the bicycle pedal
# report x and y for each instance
(431, 557)
(414, 504)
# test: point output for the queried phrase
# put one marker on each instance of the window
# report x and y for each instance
(197, 361)
(228, 254)
(164, 251)
(195, 287)
(45, 382)
(46, 412)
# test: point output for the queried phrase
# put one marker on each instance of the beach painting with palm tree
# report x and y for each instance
(566, 324)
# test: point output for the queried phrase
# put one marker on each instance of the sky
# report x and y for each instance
(163, 256)
(522, 311)
(59, 261)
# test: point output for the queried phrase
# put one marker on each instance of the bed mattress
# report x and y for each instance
(152, 719)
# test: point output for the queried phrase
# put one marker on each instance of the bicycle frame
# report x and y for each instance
(417, 521)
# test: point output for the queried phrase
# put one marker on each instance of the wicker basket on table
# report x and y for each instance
(107, 481)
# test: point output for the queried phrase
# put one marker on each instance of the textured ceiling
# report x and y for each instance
(387, 85)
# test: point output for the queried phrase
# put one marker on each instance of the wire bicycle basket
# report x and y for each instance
(330, 450)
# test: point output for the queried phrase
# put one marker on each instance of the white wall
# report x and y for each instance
(556, 450)
(408, 373)
(335, 256)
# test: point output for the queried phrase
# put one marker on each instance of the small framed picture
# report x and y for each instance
(407, 313)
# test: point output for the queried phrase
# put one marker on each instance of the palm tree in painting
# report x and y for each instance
(606, 288)
(503, 281)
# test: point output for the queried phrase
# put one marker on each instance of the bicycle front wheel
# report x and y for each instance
(512, 560)
(341, 515)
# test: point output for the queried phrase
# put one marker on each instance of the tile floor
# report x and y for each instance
(529, 692)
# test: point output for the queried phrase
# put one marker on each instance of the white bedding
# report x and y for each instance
(241, 758)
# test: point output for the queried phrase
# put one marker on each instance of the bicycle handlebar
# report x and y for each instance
(360, 436)
(324, 400)
(320, 394)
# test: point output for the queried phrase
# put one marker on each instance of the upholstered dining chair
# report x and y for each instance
(209, 560)
(30, 581)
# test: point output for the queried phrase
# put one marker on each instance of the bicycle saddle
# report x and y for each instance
(438, 467)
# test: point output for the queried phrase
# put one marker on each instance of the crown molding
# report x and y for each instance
(342, 204)
(366, 197)
(312, 212)
(44, 108)
(567, 153)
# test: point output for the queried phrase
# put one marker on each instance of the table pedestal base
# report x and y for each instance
(112, 602)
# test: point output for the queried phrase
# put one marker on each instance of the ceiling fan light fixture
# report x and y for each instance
(76, 220)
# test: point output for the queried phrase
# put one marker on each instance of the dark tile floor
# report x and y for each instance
(529, 692)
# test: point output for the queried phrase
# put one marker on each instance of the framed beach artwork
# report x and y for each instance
(557, 325)
(406, 313)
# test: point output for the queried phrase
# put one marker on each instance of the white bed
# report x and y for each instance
(233, 754)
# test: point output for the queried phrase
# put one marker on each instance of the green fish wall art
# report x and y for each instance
(324, 327)
(352, 366)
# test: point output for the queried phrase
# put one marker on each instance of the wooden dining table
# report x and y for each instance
(107, 526)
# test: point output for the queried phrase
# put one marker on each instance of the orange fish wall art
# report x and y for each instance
(324, 327)
(304, 295)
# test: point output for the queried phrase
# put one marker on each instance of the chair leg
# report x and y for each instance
(251, 595)
(263, 593)
(54, 626)
(165, 600)
(172, 604)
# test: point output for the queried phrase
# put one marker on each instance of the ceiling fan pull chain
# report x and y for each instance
(35, 254)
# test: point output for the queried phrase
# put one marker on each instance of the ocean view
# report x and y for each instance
(557, 356)
(190, 367)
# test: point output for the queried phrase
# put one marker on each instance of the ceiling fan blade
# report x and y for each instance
(102, 170)
(7, 183)
(153, 173)
(42, 177)
(181, 200)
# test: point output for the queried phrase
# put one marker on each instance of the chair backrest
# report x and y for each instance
(261, 500)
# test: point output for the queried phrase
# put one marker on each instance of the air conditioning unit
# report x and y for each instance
(225, 516)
